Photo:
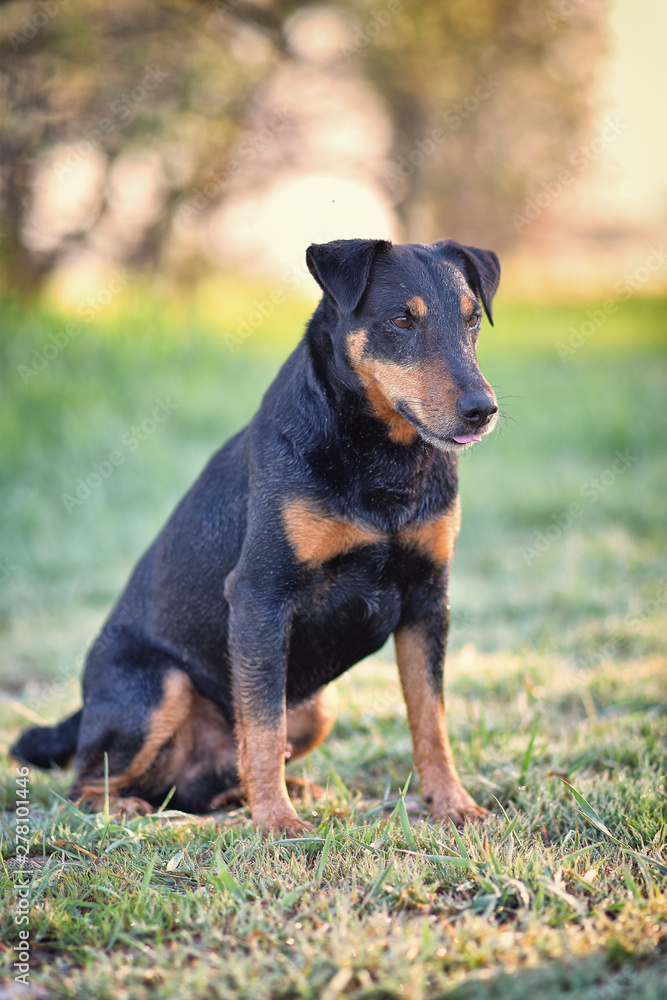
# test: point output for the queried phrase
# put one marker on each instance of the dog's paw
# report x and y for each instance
(299, 788)
(130, 807)
(230, 799)
(458, 808)
(92, 800)
(285, 824)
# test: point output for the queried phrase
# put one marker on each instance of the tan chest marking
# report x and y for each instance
(435, 539)
(316, 537)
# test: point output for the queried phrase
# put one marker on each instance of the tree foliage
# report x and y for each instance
(485, 99)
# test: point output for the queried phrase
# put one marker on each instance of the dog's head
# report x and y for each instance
(408, 321)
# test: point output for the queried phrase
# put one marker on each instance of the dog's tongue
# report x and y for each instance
(467, 438)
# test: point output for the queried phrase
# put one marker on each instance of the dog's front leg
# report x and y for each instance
(420, 650)
(258, 636)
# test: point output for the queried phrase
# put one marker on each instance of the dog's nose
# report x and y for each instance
(477, 407)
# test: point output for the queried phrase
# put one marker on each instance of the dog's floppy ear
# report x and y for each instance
(342, 267)
(481, 268)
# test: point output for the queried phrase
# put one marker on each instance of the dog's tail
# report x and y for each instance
(49, 746)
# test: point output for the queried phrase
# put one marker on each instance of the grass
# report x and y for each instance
(556, 674)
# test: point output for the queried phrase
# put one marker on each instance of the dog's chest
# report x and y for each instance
(353, 589)
(344, 611)
(318, 539)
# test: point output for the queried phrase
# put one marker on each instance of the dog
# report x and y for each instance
(323, 527)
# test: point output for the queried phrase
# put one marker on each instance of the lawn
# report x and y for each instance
(556, 681)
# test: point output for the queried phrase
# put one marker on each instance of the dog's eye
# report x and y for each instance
(473, 320)
(402, 322)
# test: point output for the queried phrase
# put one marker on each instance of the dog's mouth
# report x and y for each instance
(445, 442)
(460, 442)
(467, 438)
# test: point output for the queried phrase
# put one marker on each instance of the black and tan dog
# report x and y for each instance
(320, 529)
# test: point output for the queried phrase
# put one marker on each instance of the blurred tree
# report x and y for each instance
(485, 97)
(489, 99)
(83, 78)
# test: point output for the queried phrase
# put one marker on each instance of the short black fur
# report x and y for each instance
(223, 594)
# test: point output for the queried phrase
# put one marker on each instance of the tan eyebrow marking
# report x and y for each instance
(467, 306)
(417, 306)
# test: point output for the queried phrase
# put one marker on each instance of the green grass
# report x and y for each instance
(557, 671)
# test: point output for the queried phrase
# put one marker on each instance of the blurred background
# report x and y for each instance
(164, 167)
(184, 137)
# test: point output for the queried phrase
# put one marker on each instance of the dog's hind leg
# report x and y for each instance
(200, 760)
(129, 718)
(309, 723)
